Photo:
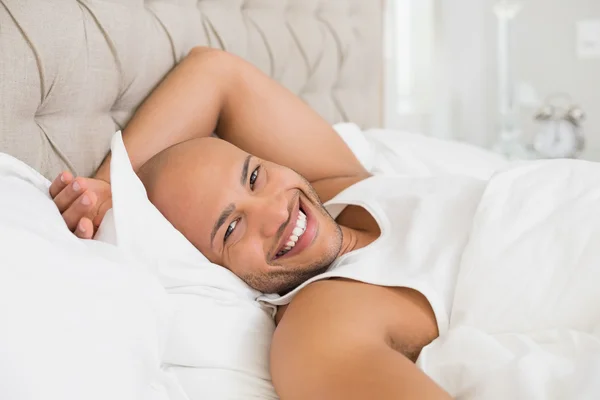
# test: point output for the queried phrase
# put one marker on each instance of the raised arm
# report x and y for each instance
(214, 91)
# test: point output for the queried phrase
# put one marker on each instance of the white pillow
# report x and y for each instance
(220, 335)
(76, 320)
(388, 151)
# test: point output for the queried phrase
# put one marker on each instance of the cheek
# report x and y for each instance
(248, 258)
(285, 178)
(327, 235)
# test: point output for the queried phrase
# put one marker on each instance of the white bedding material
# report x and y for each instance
(391, 152)
(526, 314)
(77, 321)
(220, 336)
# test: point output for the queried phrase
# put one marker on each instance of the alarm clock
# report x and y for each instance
(559, 133)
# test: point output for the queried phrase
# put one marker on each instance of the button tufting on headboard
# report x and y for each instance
(73, 72)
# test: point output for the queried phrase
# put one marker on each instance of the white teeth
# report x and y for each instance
(296, 233)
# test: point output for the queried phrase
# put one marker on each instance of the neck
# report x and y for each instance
(353, 240)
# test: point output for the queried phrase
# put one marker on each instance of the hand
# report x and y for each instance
(83, 202)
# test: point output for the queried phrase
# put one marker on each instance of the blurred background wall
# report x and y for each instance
(442, 65)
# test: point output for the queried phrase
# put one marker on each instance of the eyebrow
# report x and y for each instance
(222, 218)
(231, 207)
(245, 170)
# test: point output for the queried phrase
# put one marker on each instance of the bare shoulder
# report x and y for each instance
(400, 315)
(336, 341)
(332, 302)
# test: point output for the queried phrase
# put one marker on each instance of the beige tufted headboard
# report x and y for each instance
(72, 72)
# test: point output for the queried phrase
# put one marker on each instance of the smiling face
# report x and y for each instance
(262, 221)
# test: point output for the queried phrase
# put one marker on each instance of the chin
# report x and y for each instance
(296, 278)
(317, 248)
(294, 275)
(287, 276)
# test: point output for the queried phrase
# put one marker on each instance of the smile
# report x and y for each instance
(296, 234)
(300, 232)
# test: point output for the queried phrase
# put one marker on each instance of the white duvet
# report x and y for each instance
(525, 321)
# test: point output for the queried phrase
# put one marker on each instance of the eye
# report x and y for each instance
(254, 177)
(229, 230)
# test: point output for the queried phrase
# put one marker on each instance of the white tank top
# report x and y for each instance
(424, 223)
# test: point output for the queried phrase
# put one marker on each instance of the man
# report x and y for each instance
(252, 203)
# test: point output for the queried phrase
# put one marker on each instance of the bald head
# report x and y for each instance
(165, 172)
(179, 178)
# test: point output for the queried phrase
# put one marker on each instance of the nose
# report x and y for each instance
(270, 213)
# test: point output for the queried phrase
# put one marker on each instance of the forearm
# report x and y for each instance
(185, 105)
(267, 120)
(213, 91)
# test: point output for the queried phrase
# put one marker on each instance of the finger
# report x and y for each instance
(61, 182)
(85, 229)
(82, 207)
(70, 194)
(102, 209)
